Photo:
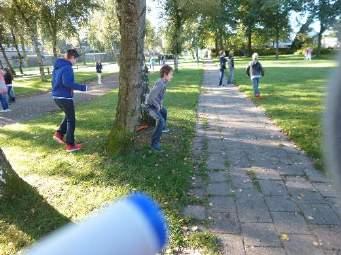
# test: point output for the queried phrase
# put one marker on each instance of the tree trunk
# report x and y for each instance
(23, 48)
(132, 18)
(249, 42)
(39, 55)
(277, 43)
(6, 59)
(176, 62)
(197, 54)
(319, 41)
(54, 47)
(9, 180)
(18, 51)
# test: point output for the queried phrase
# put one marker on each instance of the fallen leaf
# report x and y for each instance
(284, 237)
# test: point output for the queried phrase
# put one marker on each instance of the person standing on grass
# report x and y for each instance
(9, 83)
(99, 68)
(222, 64)
(230, 79)
(155, 106)
(255, 71)
(3, 93)
(63, 85)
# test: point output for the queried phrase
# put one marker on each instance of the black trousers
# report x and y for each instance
(68, 124)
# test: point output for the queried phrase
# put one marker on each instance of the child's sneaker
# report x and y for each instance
(73, 147)
(156, 147)
(166, 130)
(58, 137)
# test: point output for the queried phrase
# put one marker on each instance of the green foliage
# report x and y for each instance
(103, 29)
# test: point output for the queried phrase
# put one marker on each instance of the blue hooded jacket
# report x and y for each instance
(63, 81)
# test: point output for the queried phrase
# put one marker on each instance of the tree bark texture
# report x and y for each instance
(132, 17)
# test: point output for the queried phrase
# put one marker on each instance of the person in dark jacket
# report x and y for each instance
(99, 68)
(156, 108)
(63, 85)
(9, 83)
(222, 64)
(255, 71)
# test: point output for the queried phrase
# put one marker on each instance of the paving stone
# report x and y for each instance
(218, 176)
(198, 193)
(290, 222)
(222, 203)
(215, 162)
(328, 236)
(241, 182)
(195, 211)
(218, 189)
(335, 203)
(273, 188)
(266, 174)
(264, 251)
(260, 234)
(302, 244)
(320, 214)
(331, 252)
(326, 189)
(232, 244)
(223, 222)
(315, 176)
(252, 208)
(281, 204)
(302, 190)
(286, 169)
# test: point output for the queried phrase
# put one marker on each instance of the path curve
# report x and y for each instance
(27, 108)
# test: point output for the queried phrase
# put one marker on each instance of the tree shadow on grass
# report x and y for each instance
(29, 213)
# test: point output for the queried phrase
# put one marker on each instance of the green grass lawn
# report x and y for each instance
(293, 92)
(70, 186)
(26, 86)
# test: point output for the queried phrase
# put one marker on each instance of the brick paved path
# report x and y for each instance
(264, 195)
(27, 108)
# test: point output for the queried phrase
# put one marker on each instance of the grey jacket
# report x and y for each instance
(156, 95)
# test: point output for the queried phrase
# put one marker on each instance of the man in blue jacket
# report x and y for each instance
(63, 85)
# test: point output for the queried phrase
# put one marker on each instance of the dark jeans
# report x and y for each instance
(10, 93)
(222, 73)
(255, 84)
(4, 102)
(68, 125)
(161, 123)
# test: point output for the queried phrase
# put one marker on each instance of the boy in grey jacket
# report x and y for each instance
(155, 106)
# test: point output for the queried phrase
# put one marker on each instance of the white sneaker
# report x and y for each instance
(7, 110)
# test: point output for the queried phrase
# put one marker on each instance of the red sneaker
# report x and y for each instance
(73, 147)
(58, 137)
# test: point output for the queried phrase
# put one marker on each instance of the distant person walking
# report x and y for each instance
(230, 60)
(63, 85)
(99, 68)
(255, 71)
(9, 83)
(3, 93)
(309, 53)
(222, 65)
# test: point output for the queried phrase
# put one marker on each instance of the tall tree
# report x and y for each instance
(327, 12)
(29, 12)
(276, 19)
(5, 39)
(132, 18)
(250, 13)
(60, 17)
